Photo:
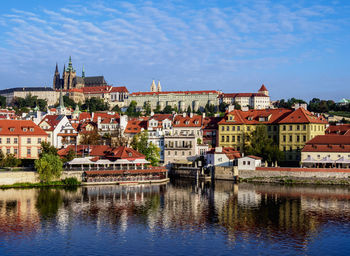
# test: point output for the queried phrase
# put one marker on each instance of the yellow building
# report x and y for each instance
(22, 138)
(290, 129)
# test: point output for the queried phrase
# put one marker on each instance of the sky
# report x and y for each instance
(297, 48)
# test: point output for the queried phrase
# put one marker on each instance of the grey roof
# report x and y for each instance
(94, 81)
(79, 80)
(26, 89)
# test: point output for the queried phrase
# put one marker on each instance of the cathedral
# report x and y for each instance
(70, 80)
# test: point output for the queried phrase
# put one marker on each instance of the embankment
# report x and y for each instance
(296, 175)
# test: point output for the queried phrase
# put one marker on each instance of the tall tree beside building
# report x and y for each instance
(132, 110)
(151, 151)
(2, 101)
(49, 166)
(90, 138)
(258, 143)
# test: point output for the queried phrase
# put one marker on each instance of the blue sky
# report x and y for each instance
(296, 48)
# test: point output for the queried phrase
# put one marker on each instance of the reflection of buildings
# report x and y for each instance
(17, 212)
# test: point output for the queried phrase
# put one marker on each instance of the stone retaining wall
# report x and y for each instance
(276, 172)
(226, 172)
(12, 177)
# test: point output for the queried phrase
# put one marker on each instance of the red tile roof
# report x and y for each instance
(256, 116)
(301, 115)
(52, 120)
(97, 89)
(338, 129)
(243, 94)
(20, 127)
(262, 89)
(123, 152)
(328, 143)
(105, 117)
(119, 89)
(187, 121)
(135, 126)
(175, 92)
(84, 116)
(92, 150)
(230, 152)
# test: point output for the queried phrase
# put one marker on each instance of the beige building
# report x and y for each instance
(330, 150)
(260, 100)
(21, 138)
(180, 99)
(45, 93)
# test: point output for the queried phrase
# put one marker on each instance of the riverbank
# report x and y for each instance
(68, 182)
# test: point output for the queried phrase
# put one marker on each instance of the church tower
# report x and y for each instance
(153, 87)
(159, 87)
(69, 76)
(56, 79)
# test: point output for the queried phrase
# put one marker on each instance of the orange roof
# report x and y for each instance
(243, 94)
(256, 116)
(301, 115)
(119, 89)
(187, 121)
(230, 152)
(52, 120)
(97, 89)
(84, 116)
(105, 117)
(20, 127)
(328, 143)
(174, 92)
(123, 152)
(92, 150)
(263, 89)
(134, 126)
(338, 129)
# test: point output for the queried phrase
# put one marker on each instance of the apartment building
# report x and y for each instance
(22, 138)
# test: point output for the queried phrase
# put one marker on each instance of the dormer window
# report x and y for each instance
(31, 129)
(187, 122)
(130, 154)
(196, 122)
(12, 129)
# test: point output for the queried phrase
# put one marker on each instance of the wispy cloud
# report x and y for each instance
(174, 39)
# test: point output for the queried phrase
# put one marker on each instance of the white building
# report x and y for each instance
(249, 162)
(222, 156)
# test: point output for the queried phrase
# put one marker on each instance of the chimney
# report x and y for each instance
(230, 108)
(191, 115)
(203, 115)
(218, 149)
(184, 114)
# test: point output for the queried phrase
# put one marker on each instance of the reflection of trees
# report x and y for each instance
(48, 202)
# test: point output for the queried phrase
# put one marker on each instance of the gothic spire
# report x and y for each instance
(56, 70)
(159, 87)
(83, 72)
(70, 66)
(153, 87)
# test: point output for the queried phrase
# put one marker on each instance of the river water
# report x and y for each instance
(180, 218)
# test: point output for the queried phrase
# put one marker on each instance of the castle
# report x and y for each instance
(70, 79)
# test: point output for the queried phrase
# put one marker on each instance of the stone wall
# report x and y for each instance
(226, 172)
(12, 177)
(308, 173)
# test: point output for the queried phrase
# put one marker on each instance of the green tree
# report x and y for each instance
(48, 166)
(70, 155)
(168, 109)
(11, 161)
(223, 106)
(157, 110)
(151, 151)
(2, 101)
(237, 106)
(147, 108)
(189, 110)
(95, 104)
(132, 110)
(258, 143)
(117, 109)
(47, 148)
(48, 202)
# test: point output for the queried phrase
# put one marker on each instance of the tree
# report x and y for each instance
(95, 104)
(259, 144)
(90, 138)
(47, 148)
(70, 155)
(168, 109)
(147, 108)
(223, 106)
(10, 161)
(189, 110)
(117, 109)
(132, 110)
(118, 139)
(48, 166)
(2, 101)
(237, 106)
(157, 110)
(151, 151)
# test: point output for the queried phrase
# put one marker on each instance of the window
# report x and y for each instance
(39, 140)
(0, 140)
(227, 128)
(223, 128)
(269, 128)
(29, 140)
(284, 148)
(304, 138)
(284, 127)
(248, 128)
(248, 162)
(233, 138)
(223, 138)
(8, 151)
(304, 127)
(228, 138)
(183, 153)
(243, 162)
(28, 152)
(238, 128)
(175, 153)
(298, 138)
(233, 128)
(291, 138)
(168, 153)
(291, 128)
(189, 153)
(318, 156)
(238, 138)
(31, 129)
(284, 138)
(16, 151)
(298, 127)
(15, 140)
(8, 140)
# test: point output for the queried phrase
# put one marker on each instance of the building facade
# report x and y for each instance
(22, 138)
(45, 93)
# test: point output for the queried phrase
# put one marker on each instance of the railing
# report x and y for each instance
(125, 178)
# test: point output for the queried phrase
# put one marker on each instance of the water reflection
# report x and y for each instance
(287, 215)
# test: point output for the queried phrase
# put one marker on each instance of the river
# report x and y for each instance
(180, 218)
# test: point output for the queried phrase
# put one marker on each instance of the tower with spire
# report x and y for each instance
(56, 78)
(159, 87)
(153, 87)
